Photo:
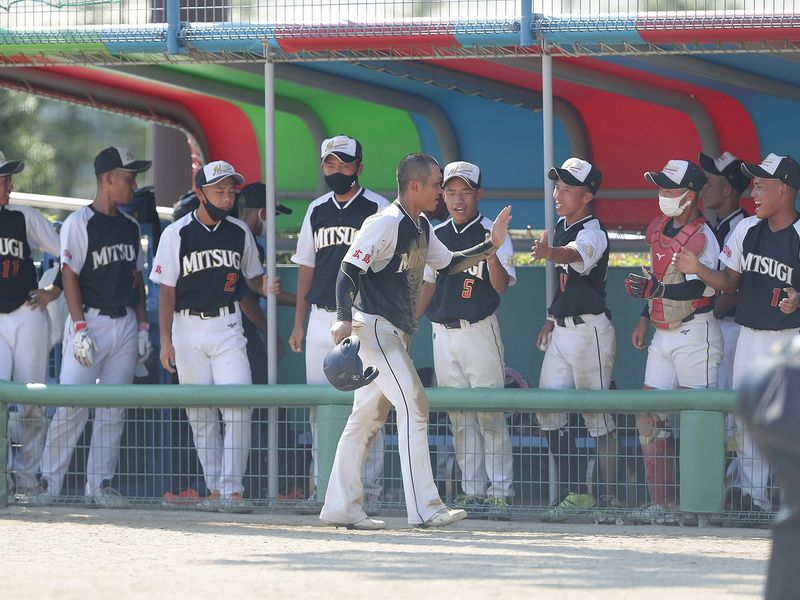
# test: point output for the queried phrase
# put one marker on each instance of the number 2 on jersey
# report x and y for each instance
(230, 285)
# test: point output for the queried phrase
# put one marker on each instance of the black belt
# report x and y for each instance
(114, 312)
(561, 321)
(456, 323)
(210, 314)
(326, 308)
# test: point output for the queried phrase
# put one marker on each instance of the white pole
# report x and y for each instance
(270, 234)
(547, 135)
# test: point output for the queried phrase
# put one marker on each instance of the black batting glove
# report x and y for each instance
(645, 286)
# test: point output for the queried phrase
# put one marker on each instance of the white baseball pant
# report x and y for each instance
(579, 356)
(24, 348)
(214, 351)
(386, 347)
(318, 343)
(750, 465)
(471, 356)
(114, 362)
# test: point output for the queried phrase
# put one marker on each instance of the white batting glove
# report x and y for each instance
(144, 346)
(84, 346)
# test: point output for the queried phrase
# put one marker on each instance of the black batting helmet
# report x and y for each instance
(343, 367)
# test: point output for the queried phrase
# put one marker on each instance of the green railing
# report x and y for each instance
(702, 448)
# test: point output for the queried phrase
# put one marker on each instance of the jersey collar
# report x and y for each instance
(203, 225)
(566, 227)
(734, 214)
(477, 219)
(341, 206)
(417, 223)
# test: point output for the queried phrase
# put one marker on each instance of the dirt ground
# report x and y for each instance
(77, 553)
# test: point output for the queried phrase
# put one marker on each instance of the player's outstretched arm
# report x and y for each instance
(723, 281)
(166, 309)
(346, 291)
(562, 255)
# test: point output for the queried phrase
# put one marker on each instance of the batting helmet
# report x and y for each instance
(343, 367)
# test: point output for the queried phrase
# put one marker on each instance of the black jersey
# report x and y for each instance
(768, 261)
(723, 230)
(469, 294)
(105, 252)
(19, 226)
(328, 230)
(581, 286)
(205, 264)
(392, 250)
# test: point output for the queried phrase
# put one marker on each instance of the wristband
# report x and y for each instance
(551, 318)
(79, 325)
(144, 326)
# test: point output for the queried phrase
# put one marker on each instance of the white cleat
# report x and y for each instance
(366, 524)
(445, 516)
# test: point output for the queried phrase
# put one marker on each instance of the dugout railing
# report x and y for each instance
(156, 449)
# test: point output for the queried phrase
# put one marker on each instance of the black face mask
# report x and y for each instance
(215, 212)
(341, 183)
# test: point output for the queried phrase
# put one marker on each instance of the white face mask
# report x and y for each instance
(671, 207)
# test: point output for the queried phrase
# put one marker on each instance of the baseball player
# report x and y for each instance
(203, 259)
(467, 347)
(107, 330)
(687, 345)
(377, 290)
(24, 324)
(329, 227)
(762, 261)
(578, 337)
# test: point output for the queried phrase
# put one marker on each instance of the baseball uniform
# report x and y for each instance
(206, 265)
(768, 261)
(105, 253)
(328, 229)
(468, 352)
(24, 331)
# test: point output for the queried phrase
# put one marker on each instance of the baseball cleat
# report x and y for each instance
(209, 504)
(655, 514)
(444, 516)
(608, 511)
(108, 498)
(497, 509)
(473, 505)
(234, 503)
(187, 498)
(571, 506)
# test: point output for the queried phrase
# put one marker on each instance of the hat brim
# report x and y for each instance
(707, 164)
(565, 176)
(11, 167)
(137, 166)
(345, 158)
(756, 171)
(473, 185)
(239, 179)
(658, 179)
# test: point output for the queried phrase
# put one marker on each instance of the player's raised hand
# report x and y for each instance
(500, 227)
(296, 339)
(341, 330)
(167, 356)
(686, 261)
(643, 286)
(541, 249)
(789, 304)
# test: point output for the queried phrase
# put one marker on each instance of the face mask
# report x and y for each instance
(215, 212)
(340, 183)
(671, 207)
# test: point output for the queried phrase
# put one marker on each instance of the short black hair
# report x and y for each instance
(416, 166)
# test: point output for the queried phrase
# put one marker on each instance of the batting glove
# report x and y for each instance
(144, 346)
(84, 347)
(645, 286)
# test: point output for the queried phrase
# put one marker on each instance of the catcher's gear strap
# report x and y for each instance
(464, 259)
(346, 291)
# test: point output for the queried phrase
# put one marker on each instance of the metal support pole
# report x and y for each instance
(525, 32)
(173, 25)
(270, 234)
(547, 156)
(4, 454)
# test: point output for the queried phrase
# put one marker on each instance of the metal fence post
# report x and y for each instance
(330, 424)
(4, 453)
(702, 461)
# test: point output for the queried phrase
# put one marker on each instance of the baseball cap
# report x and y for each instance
(725, 165)
(678, 174)
(346, 149)
(782, 168)
(254, 195)
(113, 157)
(216, 171)
(9, 167)
(576, 171)
(471, 174)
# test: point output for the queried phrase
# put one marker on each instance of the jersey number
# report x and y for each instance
(562, 281)
(10, 268)
(776, 296)
(466, 291)
(230, 285)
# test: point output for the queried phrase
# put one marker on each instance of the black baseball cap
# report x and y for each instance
(345, 148)
(677, 175)
(216, 171)
(782, 168)
(576, 171)
(112, 158)
(9, 167)
(728, 166)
